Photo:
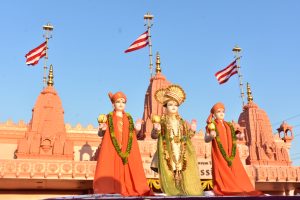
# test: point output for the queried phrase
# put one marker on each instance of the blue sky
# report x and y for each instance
(194, 39)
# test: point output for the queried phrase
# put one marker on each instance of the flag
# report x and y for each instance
(33, 56)
(139, 43)
(224, 74)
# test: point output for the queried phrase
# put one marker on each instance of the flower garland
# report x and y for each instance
(123, 155)
(169, 158)
(233, 150)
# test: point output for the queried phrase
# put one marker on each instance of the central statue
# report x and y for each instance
(175, 159)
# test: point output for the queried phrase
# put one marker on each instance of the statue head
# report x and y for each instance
(217, 111)
(171, 98)
(172, 107)
(118, 100)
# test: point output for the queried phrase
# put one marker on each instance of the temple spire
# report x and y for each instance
(50, 77)
(158, 69)
(249, 93)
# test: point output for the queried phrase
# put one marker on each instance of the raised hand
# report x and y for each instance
(240, 136)
(157, 126)
(193, 125)
(138, 125)
(213, 134)
(102, 126)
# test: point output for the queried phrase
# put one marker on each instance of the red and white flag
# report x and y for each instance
(224, 74)
(33, 56)
(139, 43)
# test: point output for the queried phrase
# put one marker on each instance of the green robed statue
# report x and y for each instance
(175, 159)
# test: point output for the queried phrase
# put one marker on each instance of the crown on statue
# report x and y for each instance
(172, 92)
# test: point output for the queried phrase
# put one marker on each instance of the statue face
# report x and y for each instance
(219, 114)
(120, 104)
(172, 107)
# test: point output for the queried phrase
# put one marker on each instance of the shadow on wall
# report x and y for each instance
(86, 152)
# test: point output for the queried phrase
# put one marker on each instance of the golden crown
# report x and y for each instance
(172, 92)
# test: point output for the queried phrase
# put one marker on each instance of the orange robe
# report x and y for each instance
(111, 176)
(229, 180)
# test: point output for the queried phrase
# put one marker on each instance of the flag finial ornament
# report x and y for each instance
(158, 68)
(236, 48)
(48, 27)
(148, 16)
(50, 81)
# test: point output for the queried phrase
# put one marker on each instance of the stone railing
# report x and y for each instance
(277, 174)
(47, 169)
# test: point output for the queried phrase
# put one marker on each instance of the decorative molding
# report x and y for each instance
(10, 125)
(47, 169)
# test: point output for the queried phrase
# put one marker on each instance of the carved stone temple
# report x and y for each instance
(47, 157)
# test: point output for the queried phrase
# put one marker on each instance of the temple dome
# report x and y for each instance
(264, 149)
(46, 134)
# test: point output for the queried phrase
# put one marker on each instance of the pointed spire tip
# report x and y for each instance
(50, 77)
(158, 68)
(249, 93)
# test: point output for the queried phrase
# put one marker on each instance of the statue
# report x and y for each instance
(229, 175)
(119, 167)
(175, 159)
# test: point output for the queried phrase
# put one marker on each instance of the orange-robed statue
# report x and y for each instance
(229, 175)
(119, 167)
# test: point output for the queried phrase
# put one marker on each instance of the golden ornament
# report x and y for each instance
(102, 118)
(155, 119)
(211, 127)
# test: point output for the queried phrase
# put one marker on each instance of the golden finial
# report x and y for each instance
(148, 16)
(48, 27)
(236, 48)
(249, 93)
(158, 69)
(50, 77)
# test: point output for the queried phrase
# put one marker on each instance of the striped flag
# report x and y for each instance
(33, 56)
(224, 74)
(139, 43)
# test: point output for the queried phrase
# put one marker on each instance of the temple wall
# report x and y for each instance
(84, 153)
(7, 150)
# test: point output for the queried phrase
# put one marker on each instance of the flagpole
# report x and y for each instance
(148, 17)
(236, 51)
(47, 28)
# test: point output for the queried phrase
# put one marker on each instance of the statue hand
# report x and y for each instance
(213, 134)
(138, 125)
(102, 126)
(240, 136)
(193, 125)
(157, 126)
